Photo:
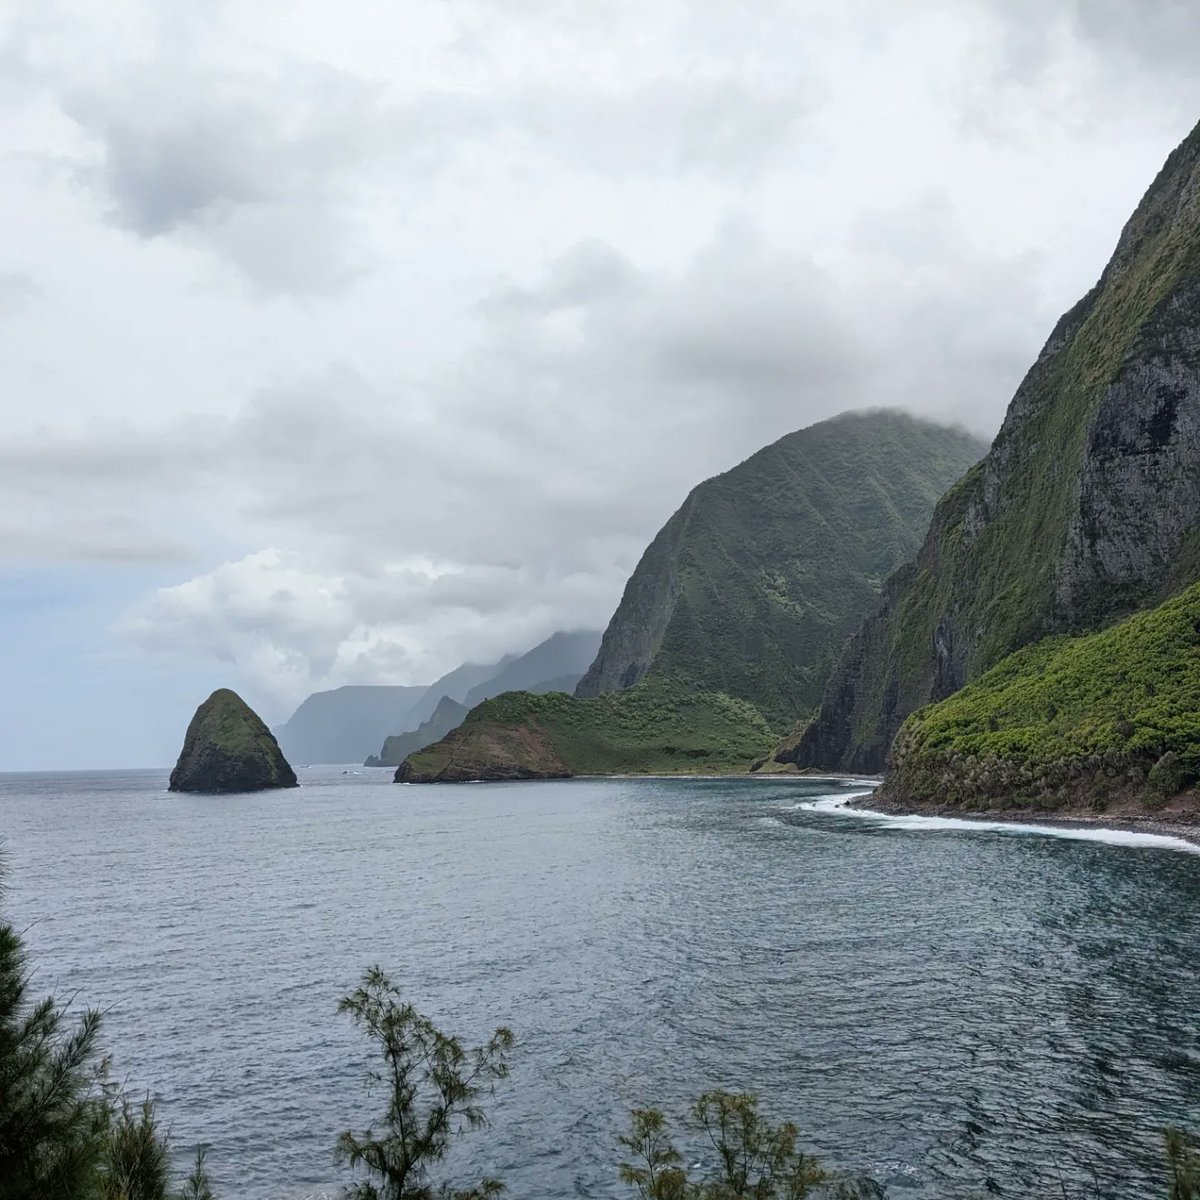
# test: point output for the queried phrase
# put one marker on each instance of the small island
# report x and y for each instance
(227, 748)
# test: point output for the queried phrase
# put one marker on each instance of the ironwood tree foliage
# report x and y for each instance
(753, 1158)
(433, 1087)
(66, 1132)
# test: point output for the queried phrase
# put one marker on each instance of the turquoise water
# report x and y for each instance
(952, 1011)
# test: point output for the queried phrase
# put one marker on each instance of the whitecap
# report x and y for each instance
(918, 822)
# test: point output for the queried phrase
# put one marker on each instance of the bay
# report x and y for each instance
(954, 1011)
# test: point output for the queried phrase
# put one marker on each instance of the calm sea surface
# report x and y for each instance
(953, 1011)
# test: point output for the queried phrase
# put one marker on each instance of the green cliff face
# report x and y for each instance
(1085, 509)
(752, 586)
(656, 727)
(728, 627)
(1104, 718)
(227, 748)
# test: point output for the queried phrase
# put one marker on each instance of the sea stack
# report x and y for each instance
(228, 749)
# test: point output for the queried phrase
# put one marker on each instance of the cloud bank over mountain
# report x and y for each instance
(343, 347)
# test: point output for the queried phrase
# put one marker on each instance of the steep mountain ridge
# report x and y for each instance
(733, 616)
(1085, 509)
(750, 588)
(555, 664)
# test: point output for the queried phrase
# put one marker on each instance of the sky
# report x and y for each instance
(346, 343)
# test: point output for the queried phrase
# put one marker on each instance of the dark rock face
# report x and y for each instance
(1086, 509)
(228, 749)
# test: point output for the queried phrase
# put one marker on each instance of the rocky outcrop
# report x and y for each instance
(1086, 508)
(497, 752)
(752, 586)
(227, 748)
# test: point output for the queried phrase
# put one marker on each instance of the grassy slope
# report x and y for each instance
(1107, 715)
(992, 580)
(657, 727)
(766, 568)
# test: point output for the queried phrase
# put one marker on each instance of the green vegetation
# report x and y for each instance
(751, 587)
(1106, 717)
(227, 748)
(66, 1131)
(433, 1088)
(660, 726)
(754, 1158)
(1061, 528)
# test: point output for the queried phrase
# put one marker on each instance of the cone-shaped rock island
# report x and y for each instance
(228, 749)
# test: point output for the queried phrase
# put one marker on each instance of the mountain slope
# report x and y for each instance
(1105, 718)
(448, 715)
(1086, 508)
(734, 614)
(346, 724)
(751, 587)
(455, 684)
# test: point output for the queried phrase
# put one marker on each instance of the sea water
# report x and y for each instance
(952, 1009)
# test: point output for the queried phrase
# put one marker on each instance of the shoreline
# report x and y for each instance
(1185, 826)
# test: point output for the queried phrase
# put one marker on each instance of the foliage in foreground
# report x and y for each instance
(433, 1086)
(66, 1133)
(754, 1159)
(1114, 714)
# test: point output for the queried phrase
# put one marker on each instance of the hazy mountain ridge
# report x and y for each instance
(345, 724)
(553, 665)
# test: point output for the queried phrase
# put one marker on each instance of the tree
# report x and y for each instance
(1184, 1165)
(66, 1132)
(54, 1111)
(433, 1087)
(136, 1162)
(755, 1159)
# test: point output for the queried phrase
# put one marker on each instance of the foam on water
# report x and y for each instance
(917, 822)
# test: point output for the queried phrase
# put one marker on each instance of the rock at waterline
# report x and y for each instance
(227, 748)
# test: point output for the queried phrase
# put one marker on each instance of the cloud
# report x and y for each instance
(290, 629)
(416, 525)
(388, 338)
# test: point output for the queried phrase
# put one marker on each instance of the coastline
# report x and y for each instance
(1179, 823)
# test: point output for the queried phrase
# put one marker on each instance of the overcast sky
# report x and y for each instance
(345, 342)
